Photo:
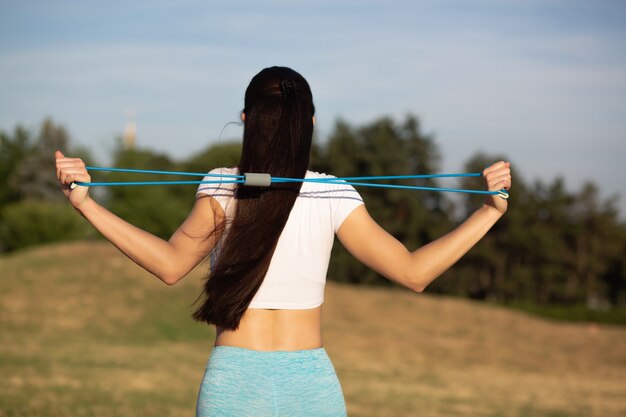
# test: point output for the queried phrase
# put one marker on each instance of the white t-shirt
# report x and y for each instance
(297, 273)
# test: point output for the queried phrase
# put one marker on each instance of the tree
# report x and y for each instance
(32, 176)
(553, 247)
(12, 151)
(481, 274)
(160, 209)
(385, 148)
(32, 208)
(220, 155)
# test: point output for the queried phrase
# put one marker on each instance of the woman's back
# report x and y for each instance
(285, 313)
(271, 330)
(296, 274)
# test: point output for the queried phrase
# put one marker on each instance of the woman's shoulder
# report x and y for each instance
(313, 185)
(224, 170)
(217, 185)
(315, 174)
(329, 183)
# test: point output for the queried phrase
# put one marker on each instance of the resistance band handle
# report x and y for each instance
(257, 180)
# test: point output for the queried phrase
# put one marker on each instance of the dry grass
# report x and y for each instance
(85, 332)
(402, 354)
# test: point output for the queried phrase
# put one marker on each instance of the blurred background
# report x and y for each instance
(399, 87)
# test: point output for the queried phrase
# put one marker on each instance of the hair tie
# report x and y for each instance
(288, 87)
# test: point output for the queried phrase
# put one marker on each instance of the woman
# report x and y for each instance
(270, 249)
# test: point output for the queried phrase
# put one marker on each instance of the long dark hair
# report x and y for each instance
(278, 129)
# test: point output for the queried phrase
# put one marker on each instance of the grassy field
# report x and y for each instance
(85, 332)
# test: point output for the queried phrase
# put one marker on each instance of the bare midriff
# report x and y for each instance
(269, 330)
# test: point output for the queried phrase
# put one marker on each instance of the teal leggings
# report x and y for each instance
(241, 382)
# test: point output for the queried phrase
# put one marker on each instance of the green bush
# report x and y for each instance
(32, 222)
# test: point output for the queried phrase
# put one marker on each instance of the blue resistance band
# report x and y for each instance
(254, 179)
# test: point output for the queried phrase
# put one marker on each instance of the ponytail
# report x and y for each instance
(278, 131)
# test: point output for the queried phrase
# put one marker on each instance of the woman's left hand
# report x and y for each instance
(497, 177)
(69, 170)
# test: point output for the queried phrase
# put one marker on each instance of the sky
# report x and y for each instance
(540, 82)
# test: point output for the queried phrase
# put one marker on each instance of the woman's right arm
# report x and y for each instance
(376, 248)
(167, 260)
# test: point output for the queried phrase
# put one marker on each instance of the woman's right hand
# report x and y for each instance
(497, 177)
(69, 170)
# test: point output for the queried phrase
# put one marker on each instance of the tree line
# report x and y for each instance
(553, 247)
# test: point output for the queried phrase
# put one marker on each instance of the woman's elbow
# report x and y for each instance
(170, 278)
(421, 278)
(417, 287)
(416, 283)
(412, 283)
(168, 281)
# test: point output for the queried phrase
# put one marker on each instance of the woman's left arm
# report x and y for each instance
(169, 260)
(376, 248)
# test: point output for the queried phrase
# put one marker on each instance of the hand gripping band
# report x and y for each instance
(257, 180)
(503, 194)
